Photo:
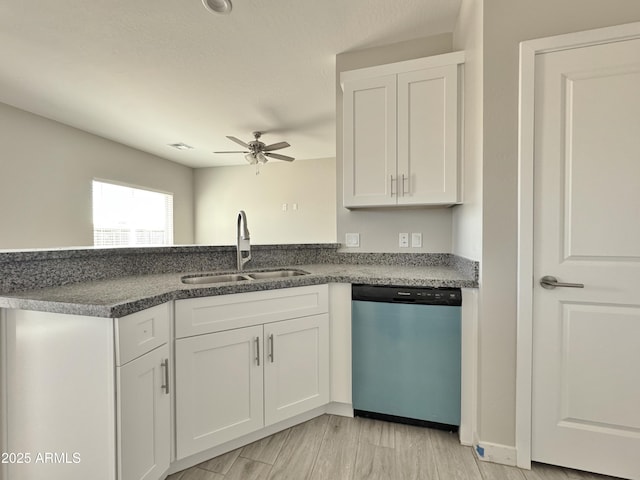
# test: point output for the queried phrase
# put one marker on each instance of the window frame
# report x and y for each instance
(131, 229)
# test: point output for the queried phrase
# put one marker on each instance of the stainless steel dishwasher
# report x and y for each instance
(406, 354)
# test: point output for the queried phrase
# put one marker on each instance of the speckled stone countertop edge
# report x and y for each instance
(42, 300)
(35, 254)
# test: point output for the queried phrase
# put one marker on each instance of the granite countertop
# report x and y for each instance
(122, 296)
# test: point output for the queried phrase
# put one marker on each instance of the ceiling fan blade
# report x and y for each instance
(238, 141)
(276, 146)
(235, 151)
(279, 157)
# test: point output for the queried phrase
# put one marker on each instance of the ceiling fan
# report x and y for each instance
(257, 151)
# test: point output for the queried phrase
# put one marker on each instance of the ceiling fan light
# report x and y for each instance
(218, 6)
(261, 158)
(251, 158)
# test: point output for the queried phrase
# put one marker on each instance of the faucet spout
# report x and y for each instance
(242, 240)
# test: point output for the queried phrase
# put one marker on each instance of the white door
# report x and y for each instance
(219, 393)
(369, 142)
(428, 136)
(144, 436)
(586, 341)
(296, 370)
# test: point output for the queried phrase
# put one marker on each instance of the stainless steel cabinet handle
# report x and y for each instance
(404, 179)
(257, 340)
(550, 283)
(165, 368)
(392, 180)
(271, 356)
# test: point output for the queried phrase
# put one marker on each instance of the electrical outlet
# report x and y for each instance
(403, 240)
(352, 239)
(416, 240)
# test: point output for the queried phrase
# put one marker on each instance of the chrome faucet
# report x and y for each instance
(242, 240)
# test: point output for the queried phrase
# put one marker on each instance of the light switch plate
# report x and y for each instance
(352, 239)
(403, 240)
(416, 240)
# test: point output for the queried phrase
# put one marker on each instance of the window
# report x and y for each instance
(131, 216)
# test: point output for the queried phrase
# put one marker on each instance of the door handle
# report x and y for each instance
(550, 283)
(271, 354)
(404, 180)
(391, 181)
(257, 340)
(165, 368)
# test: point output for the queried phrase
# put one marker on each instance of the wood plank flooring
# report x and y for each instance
(340, 448)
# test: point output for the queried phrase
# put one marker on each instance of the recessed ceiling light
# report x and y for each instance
(181, 146)
(218, 6)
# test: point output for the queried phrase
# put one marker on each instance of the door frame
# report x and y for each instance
(526, 101)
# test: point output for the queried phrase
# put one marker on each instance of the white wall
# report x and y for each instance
(506, 23)
(379, 228)
(220, 192)
(467, 218)
(46, 170)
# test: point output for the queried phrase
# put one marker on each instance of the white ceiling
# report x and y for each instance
(149, 73)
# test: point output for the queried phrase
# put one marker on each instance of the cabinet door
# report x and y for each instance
(428, 136)
(296, 368)
(144, 438)
(219, 393)
(369, 142)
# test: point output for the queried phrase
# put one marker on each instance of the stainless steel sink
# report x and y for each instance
(207, 278)
(276, 274)
(213, 278)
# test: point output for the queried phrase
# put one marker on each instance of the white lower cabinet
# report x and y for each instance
(85, 397)
(296, 367)
(233, 382)
(97, 392)
(143, 416)
(218, 388)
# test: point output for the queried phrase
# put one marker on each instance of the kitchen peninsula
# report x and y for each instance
(109, 355)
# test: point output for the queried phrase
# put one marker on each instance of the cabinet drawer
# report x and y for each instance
(141, 332)
(197, 316)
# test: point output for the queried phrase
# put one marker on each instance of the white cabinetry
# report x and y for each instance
(401, 133)
(101, 410)
(245, 361)
(143, 401)
(219, 388)
(296, 367)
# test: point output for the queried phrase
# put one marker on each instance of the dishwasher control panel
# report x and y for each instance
(419, 295)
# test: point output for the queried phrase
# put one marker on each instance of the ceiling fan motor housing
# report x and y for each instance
(256, 146)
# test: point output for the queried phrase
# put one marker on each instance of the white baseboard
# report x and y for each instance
(494, 452)
(340, 409)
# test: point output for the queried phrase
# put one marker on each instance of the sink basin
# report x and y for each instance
(204, 278)
(214, 278)
(276, 274)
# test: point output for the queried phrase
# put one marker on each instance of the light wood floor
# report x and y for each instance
(339, 448)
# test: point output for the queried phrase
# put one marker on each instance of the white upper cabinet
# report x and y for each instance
(401, 134)
(370, 141)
